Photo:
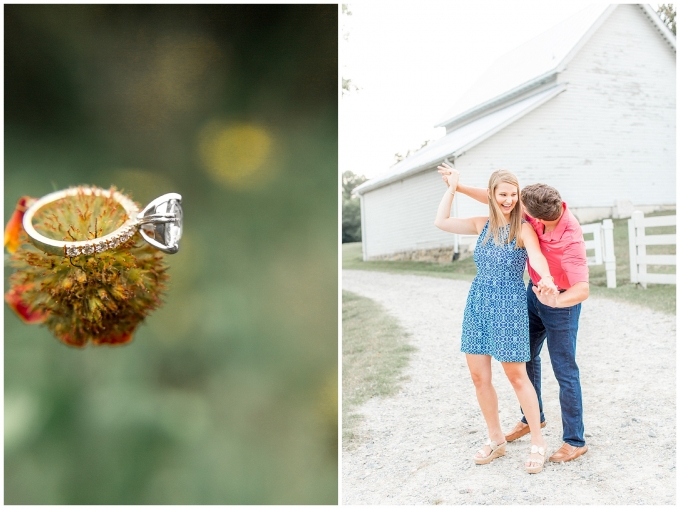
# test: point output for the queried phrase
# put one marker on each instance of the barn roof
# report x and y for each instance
(515, 74)
(459, 140)
(521, 67)
(537, 60)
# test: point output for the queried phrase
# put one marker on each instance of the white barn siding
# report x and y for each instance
(622, 88)
(401, 216)
(610, 136)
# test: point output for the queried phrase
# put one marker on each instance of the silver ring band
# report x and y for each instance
(160, 224)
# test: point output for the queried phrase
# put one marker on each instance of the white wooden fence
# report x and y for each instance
(602, 244)
(638, 242)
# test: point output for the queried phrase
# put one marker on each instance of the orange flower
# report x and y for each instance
(14, 227)
(15, 300)
(98, 300)
(70, 340)
(115, 338)
(112, 338)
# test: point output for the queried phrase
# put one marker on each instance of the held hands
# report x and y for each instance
(546, 292)
(547, 286)
(449, 175)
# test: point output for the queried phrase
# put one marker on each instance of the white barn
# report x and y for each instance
(587, 107)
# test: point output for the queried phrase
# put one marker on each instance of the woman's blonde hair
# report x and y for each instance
(496, 218)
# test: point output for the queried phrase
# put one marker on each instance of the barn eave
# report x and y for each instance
(462, 139)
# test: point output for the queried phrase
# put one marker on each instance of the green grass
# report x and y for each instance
(658, 297)
(352, 258)
(374, 353)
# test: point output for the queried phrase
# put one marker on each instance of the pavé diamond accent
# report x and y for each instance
(99, 245)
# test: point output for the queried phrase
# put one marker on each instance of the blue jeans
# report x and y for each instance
(559, 326)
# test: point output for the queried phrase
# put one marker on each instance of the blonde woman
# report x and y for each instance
(495, 322)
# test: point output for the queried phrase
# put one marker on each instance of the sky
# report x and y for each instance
(412, 61)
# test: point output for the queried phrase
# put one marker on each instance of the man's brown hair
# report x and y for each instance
(542, 201)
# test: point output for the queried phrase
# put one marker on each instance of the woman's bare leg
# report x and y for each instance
(480, 371)
(526, 394)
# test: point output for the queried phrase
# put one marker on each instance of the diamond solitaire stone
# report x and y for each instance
(161, 222)
(173, 229)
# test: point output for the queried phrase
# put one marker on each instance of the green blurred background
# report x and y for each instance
(228, 393)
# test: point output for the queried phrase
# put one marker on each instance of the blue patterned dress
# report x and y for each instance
(496, 321)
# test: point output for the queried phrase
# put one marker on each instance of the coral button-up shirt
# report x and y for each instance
(564, 249)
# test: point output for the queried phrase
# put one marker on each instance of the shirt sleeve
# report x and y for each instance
(535, 224)
(574, 261)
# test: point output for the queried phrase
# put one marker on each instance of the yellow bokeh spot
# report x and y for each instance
(231, 154)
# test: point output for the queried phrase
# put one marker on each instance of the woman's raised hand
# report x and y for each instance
(449, 175)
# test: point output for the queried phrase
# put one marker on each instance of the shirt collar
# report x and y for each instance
(561, 225)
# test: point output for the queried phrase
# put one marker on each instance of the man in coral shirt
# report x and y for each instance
(553, 317)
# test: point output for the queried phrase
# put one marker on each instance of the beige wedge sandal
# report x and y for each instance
(497, 450)
(536, 465)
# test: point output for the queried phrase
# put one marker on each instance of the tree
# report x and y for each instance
(667, 14)
(347, 85)
(351, 207)
(351, 220)
(349, 182)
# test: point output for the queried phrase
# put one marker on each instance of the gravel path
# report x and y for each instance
(417, 446)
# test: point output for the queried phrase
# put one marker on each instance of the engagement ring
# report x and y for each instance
(160, 224)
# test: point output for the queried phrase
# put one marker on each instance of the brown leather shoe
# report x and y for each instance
(567, 453)
(519, 431)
